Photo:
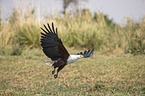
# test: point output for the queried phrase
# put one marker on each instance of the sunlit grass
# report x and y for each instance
(100, 75)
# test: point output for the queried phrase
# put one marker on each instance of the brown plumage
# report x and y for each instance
(53, 48)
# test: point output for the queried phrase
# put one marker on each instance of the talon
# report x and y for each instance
(55, 76)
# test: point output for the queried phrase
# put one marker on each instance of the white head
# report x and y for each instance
(73, 58)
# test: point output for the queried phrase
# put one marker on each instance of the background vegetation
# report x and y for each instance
(80, 30)
(111, 71)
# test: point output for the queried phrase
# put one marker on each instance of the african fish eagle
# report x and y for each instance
(53, 48)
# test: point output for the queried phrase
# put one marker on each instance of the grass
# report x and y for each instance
(27, 74)
(111, 71)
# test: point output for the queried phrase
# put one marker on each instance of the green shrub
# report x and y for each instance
(29, 35)
(11, 50)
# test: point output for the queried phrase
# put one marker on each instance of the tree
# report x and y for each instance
(67, 2)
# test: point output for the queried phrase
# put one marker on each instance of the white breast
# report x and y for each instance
(73, 58)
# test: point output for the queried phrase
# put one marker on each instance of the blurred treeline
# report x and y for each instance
(79, 29)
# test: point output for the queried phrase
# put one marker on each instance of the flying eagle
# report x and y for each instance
(54, 49)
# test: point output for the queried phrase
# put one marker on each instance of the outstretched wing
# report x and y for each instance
(52, 45)
(87, 53)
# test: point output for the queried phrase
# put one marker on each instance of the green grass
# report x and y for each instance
(27, 74)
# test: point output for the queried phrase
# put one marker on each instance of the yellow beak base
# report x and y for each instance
(81, 56)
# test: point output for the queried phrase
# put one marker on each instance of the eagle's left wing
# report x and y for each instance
(52, 45)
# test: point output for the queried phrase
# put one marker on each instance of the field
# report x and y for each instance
(102, 74)
(116, 68)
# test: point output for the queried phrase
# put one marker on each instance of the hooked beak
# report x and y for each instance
(81, 56)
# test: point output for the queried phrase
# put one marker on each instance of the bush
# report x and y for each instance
(11, 50)
(135, 37)
(29, 35)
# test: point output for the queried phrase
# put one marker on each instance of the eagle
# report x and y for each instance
(54, 49)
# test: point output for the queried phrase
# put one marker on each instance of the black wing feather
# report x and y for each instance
(49, 27)
(43, 30)
(56, 32)
(46, 28)
(86, 54)
(53, 28)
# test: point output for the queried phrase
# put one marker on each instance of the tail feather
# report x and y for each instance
(50, 63)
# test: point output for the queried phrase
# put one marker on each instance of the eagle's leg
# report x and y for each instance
(56, 75)
(53, 70)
